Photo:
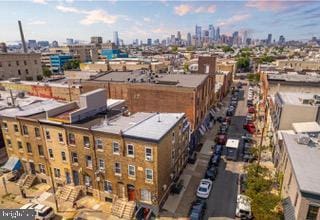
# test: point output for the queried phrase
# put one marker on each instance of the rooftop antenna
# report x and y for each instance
(12, 99)
(159, 120)
(22, 38)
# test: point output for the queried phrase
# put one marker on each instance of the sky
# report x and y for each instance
(61, 19)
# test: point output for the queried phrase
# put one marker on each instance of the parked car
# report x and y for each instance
(247, 137)
(221, 139)
(204, 188)
(227, 120)
(215, 160)
(250, 117)
(249, 157)
(177, 187)
(234, 98)
(250, 128)
(192, 157)
(218, 149)
(220, 119)
(42, 212)
(197, 210)
(211, 173)
(243, 209)
(251, 110)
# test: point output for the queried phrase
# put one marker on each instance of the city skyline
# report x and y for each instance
(58, 20)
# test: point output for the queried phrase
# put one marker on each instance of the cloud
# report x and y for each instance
(38, 22)
(264, 5)
(184, 9)
(234, 19)
(98, 16)
(43, 2)
(91, 17)
(308, 25)
(146, 19)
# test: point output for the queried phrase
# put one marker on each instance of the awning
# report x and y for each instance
(12, 164)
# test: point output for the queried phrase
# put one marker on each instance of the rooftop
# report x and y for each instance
(303, 127)
(305, 163)
(294, 98)
(155, 127)
(122, 123)
(183, 80)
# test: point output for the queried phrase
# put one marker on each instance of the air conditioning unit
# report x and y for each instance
(303, 139)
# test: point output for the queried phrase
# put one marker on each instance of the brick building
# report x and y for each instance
(90, 147)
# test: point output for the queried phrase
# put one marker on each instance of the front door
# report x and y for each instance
(121, 190)
(131, 192)
(32, 168)
(75, 176)
(68, 179)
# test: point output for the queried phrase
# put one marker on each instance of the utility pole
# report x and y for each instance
(54, 190)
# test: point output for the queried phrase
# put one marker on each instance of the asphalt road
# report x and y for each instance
(222, 200)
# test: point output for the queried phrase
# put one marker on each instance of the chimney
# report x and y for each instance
(22, 38)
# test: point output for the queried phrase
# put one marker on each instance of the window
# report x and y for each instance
(173, 137)
(20, 145)
(9, 63)
(63, 156)
(9, 144)
(99, 144)
(101, 164)
(25, 130)
(17, 62)
(56, 172)
(145, 195)
(131, 171)
(72, 139)
(117, 168)
(88, 161)
(86, 141)
(60, 137)
(35, 62)
(130, 150)
(29, 149)
(25, 62)
(87, 180)
(15, 128)
(42, 168)
(37, 132)
(5, 126)
(149, 175)
(107, 186)
(115, 148)
(312, 212)
(0, 64)
(19, 72)
(74, 157)
(51, 153)
(40, 150)
(27, 71)
(48, 137)
(148, 153)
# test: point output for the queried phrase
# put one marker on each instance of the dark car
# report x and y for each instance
(218, 149)
(192, 157)
(221, 139)
(211, 173)
(220, 119)
(243, 182)
(214, 160)
(230, 112)
(198, 207)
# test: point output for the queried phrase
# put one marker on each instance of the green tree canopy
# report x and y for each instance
(71, 65)
(46, 72)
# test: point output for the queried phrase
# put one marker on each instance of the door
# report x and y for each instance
(131, 192)
(121, 190)
(32, 168)
(68, 179)
(75, 177)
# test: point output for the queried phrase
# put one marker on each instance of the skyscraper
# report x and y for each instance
(282, 40)
(235, 37)
(179, 36)
(69, 41)
(96, 40)
(211, 32)
(149, 41)
(218, 34)
(269, 39)
(198, 35)
(116, 38)
(245, 37)
(189, 39)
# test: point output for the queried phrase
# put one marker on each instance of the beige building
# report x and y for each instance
(26, 66)
(301, 177)
(85, 52)
(298, 65)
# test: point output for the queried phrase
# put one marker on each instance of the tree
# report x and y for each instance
(259, 185)
(186, 67)
(71, 65)
(46, 72)
(243, 63)
(227, 49)
(174, 49)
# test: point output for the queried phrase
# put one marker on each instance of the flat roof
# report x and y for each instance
(155, 127)
(232, 143)
(115, 126)
(302, 127)
(295, 98)
(305, 163)
(184, 80)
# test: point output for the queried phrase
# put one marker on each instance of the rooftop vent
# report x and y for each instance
(303, 139)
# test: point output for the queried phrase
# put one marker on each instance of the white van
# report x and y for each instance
(243, 207)
(42, 212)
